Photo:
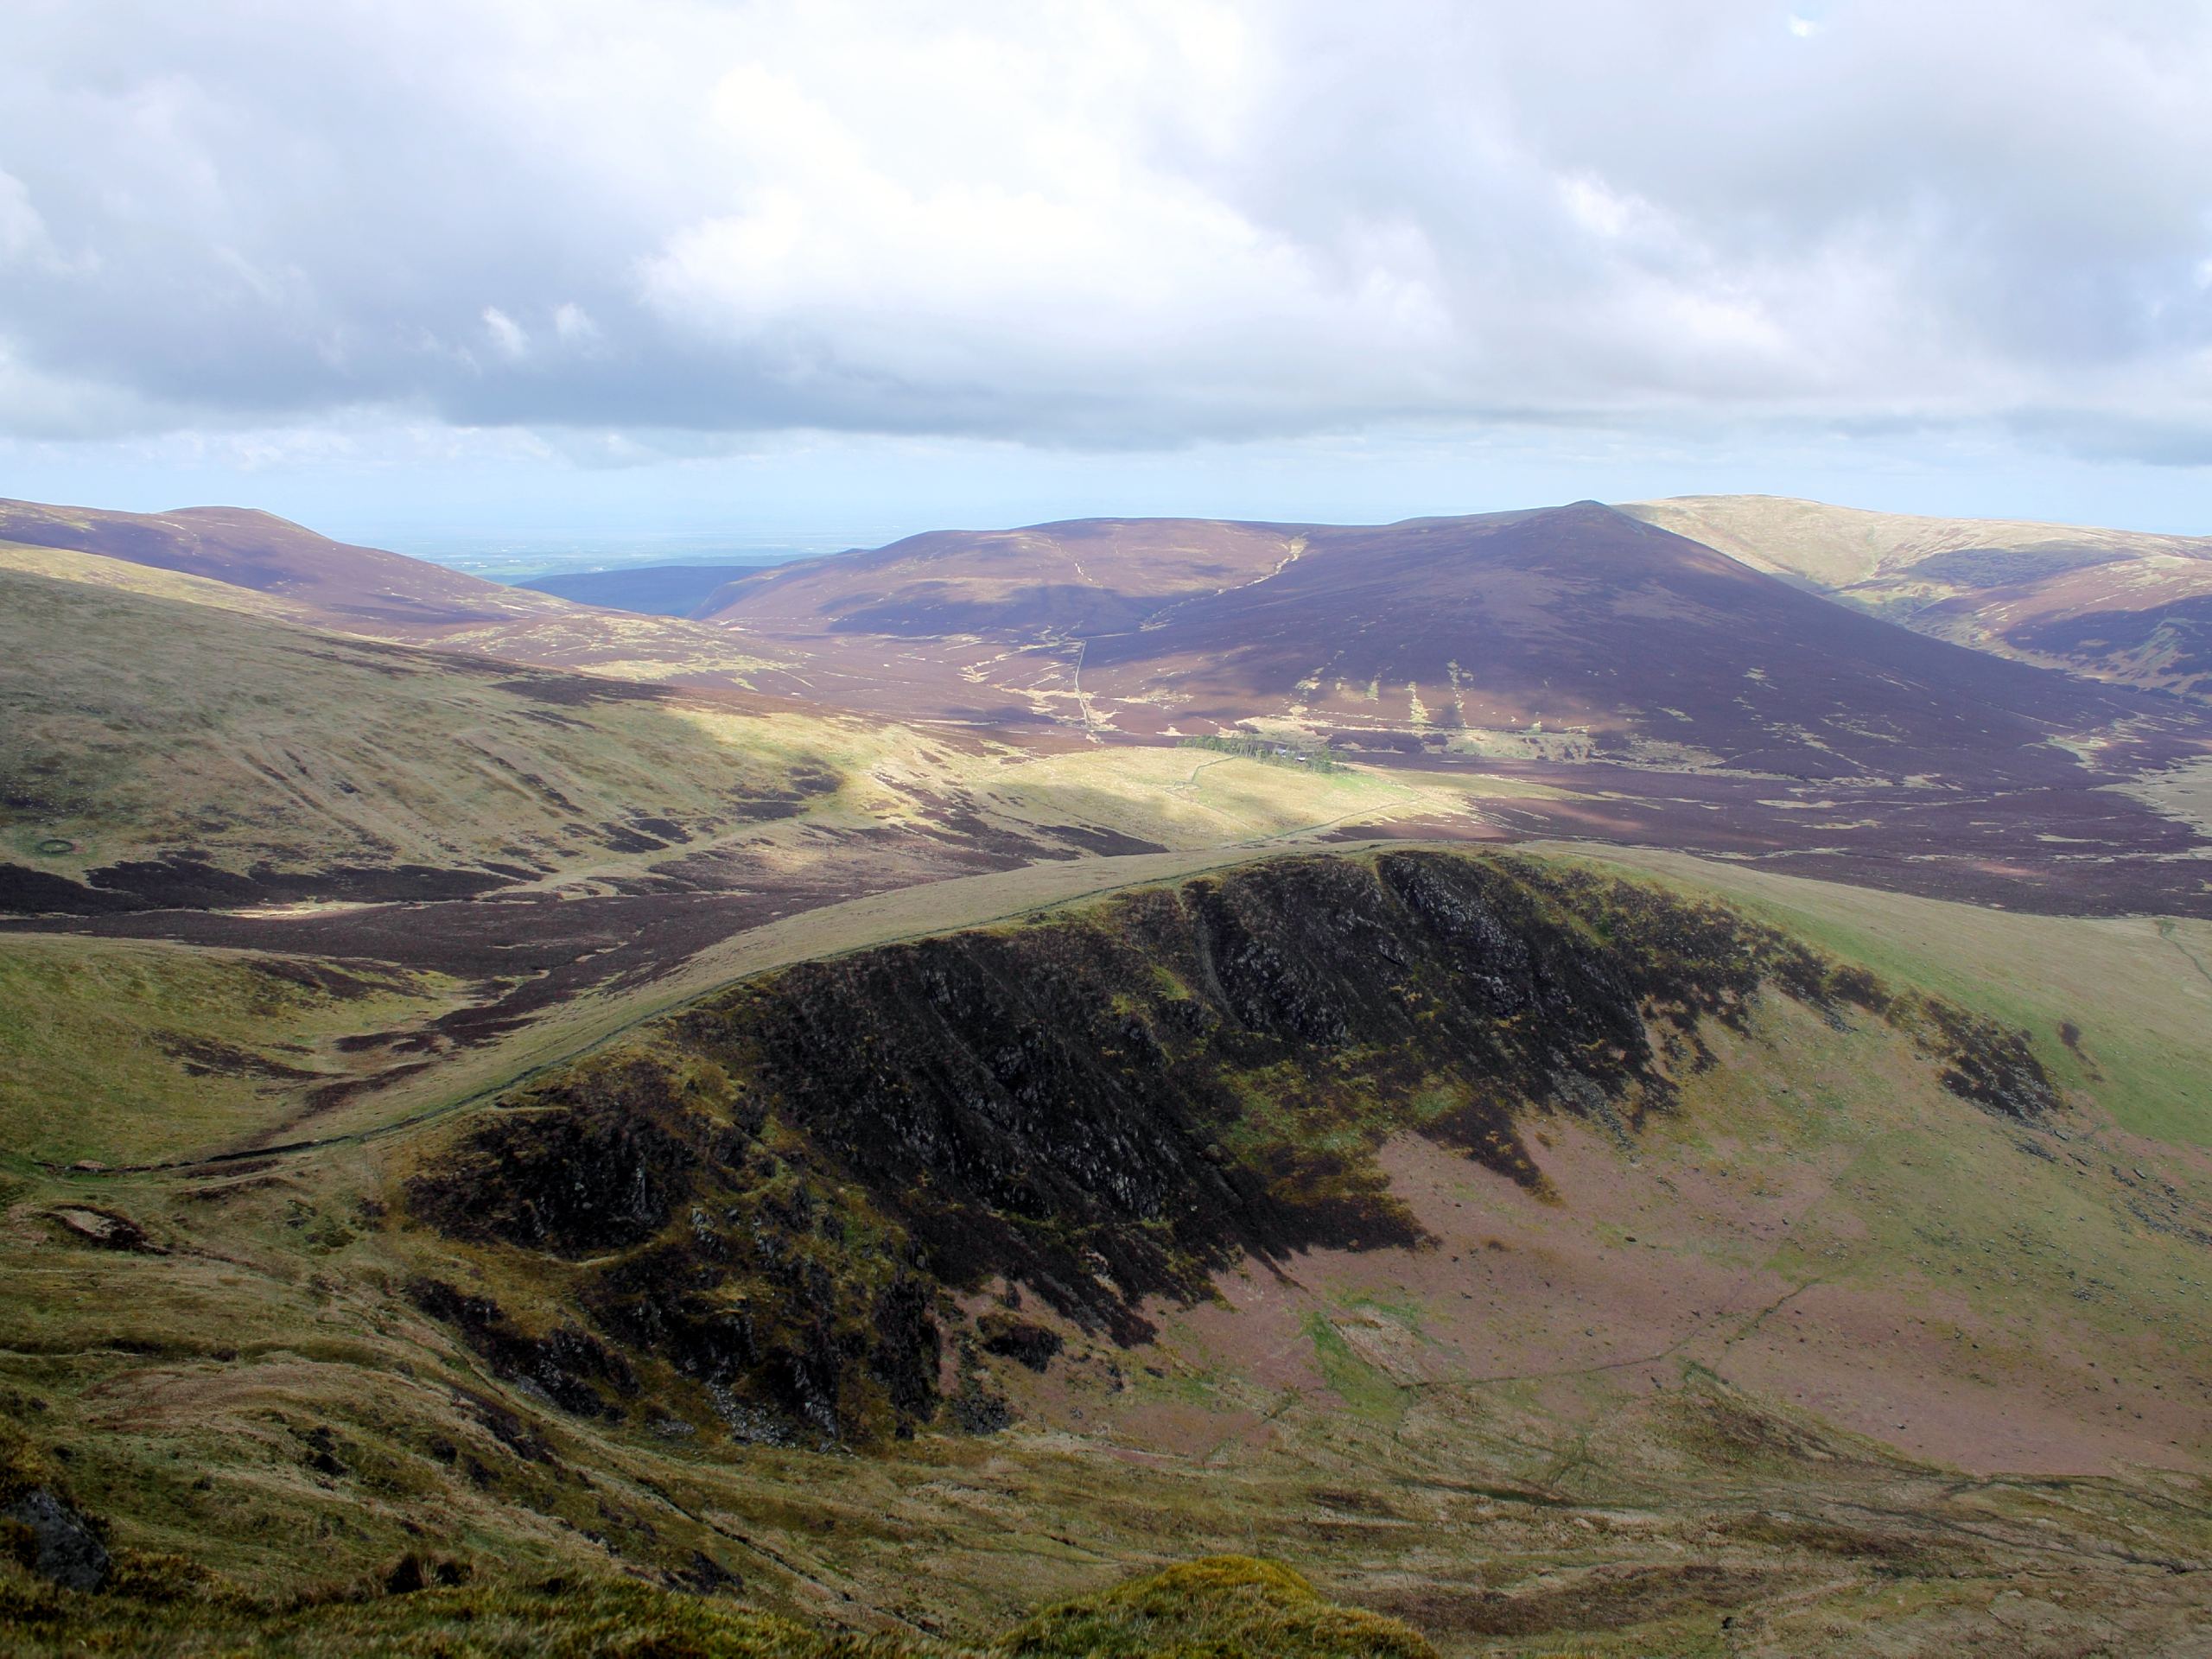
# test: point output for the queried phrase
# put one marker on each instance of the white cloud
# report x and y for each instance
(22, 233)
(1126, 223)
(573, 325)
(506, 334)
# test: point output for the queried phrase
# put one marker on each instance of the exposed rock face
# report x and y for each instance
(764, 1199)
(566, 1366)
(1023, 1341)
(580, 1183)
(1987, 1064)
(56, 1542)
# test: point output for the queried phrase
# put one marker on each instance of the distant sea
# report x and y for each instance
(524, 557)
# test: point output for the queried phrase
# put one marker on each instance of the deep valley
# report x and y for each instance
(1519, 1084)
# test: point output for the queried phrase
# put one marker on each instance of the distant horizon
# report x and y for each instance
(825, 272)
(522, 555)
(519, 549)
(467, 543)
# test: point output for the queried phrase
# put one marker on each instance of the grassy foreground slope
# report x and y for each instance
(1733, 1298)
(267, 1021)
(1217, 1607)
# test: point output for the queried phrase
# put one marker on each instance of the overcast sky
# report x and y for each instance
(392, 267)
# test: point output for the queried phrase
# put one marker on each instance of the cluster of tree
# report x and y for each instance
(1266, 750)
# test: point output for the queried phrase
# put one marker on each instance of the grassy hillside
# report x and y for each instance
(256, 563)
(1222, 1605)
(139, 725)
(1843, 546)
(260, 553)
(339, 797)
(1771, 1319)
(2126, 605)
(2118, 1007)
(123, 1051)
(144, 722)
(97, 570)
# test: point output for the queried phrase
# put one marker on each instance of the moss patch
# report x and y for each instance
(1225, 1607)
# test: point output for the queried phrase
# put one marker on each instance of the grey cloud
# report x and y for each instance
(1111, 226)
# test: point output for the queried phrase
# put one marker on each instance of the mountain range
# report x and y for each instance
(1614, 1078)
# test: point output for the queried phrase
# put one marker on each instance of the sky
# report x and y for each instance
(842, 271)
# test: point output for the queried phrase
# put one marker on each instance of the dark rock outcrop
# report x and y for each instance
(55, 1540)
(765, 1195)
(1023, 1341)
(566, 1366)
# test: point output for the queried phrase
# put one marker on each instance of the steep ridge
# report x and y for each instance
(752, 1216)
(2129, 606)
(1546, 1261)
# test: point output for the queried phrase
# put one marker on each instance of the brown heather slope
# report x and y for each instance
(358, 588)
(267, 565)
(980, 626)
(1089, 576)
(1683, 699)
(1581, 623)
(1590, 622)
(2129, 606)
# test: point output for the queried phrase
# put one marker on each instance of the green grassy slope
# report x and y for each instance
(133, 725)
(1763, 1357)
(155, 726)
(2135, 992)
(123, 1052)
(255, 563)
(2113, 604)
(1222, 1605)
(1845, 548)
(150, 720)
